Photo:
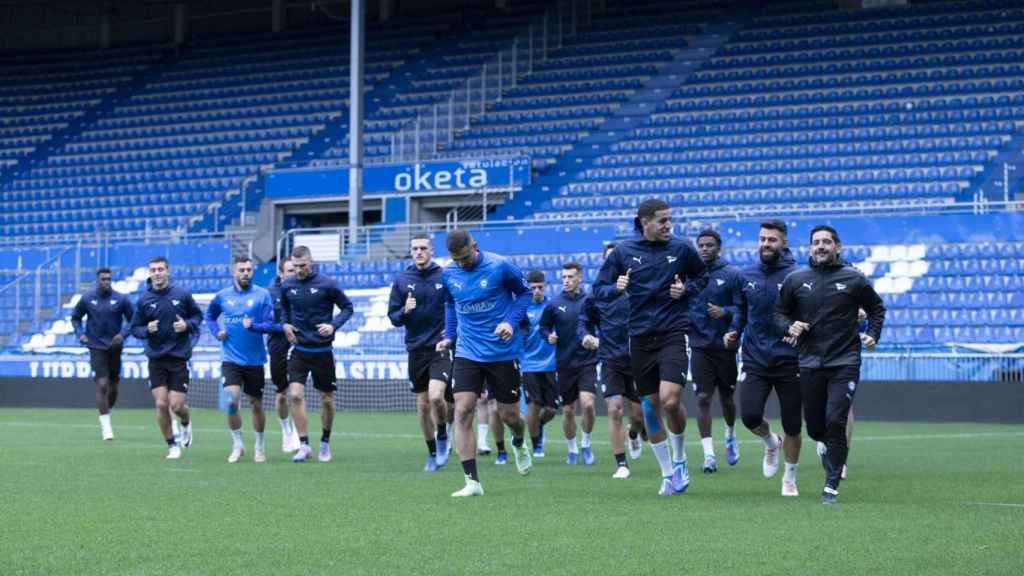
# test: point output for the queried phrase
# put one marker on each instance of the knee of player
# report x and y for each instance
(162, 405)
(752, 420)
(296, 397)
(615, 410)
(704, 400)
(257, 405)
(327, 399)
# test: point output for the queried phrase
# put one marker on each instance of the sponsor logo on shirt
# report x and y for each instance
(113, 302)
(671, 259)
(483, 283)
(719, 281)
(778, 286)
(840, 286)
(562, 308)
(175, 302)
(411, 287)
(314, 290)
(638, 260)
(95, 303)
(808, 285)
(753, 285)
(437, 286)
(249, 302)
(476, 307)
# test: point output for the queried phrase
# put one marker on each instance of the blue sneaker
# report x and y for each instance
(538, 451)
(588, 456)
(710, 466)
(502, 459)
(442, 452)
(431, 465)
(732, 451)
(680, 477)
(572, 459)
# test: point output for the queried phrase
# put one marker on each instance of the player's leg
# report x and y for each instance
(534, 405)
(252, 387)
(298, 374)
(636, 427)
(841, 389)
(849, 440)
(158, 387)
(672, 366)
(426, 422)
(232, 403)
(588, 411)
(569, 392)
(324, 382)
(468, 384)
(497, 429)
(101, 378)
(617, 435)
(814, 400)
(483, 424)
(787, 388)
(177, 388)
(647, 376)
(727, 374)
(437, 390)
(753, 396)
(114, 354)
(503, 379)
(704, 378)
(279, 377)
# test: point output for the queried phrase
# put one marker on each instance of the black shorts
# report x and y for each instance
(541, 389)
(500, 378)
(279, 370)
(711, 369)
(426, 365)
(617, 380)
(757, 386)
(573, 381)
(106, 363)
(249, 378)
(170, 373)
(319, 364)
(657, 358)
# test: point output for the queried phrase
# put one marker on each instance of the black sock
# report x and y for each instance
(442, 433)
(304, 440)
(620, 459)
(469, 469)
(501, 447)
(326, 436)
(643, 433)
(633, 434)
(517, 442)
(170, 441)
(185, 421)
(535, 440)
(432, 447)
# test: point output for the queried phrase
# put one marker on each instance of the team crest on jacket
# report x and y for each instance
(671, 259)
(249, 302)
(778, 286)
(840, 286)
(95, 303)
(437, 286)
(483, 283)
(175, 302)
(313, 290)
(113, 302)
(719, 281)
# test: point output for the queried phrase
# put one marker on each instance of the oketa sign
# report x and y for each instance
(422, 178)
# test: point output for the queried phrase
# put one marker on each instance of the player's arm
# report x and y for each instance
(451, 318)
(514, 283)
(605, 288)
(735, 297)
(739, 315)
(77, 314)
(126, 312)
(140, 327)
(589, 320)
(396, 306)
(692, 268)
(345, 309)
(871, 302)
(264, 324)
(546, 324)
(194, 315)
(213, 312)
(785, 307)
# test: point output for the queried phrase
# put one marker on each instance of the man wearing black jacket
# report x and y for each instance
(167, 319)
(659, 273)
(109, 316)
(307, 303)
(818, 308)
(417, 303)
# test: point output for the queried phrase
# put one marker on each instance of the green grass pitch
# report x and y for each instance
(921, 499)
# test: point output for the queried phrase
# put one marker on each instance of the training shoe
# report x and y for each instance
(680, 477)
(572, 458)
(732, 450)
(290, 442)
(636, 447)
(710, 466)
(502, 459)
(842, 475)
(174, 452)
(538, 451)
(588, 456)
(431, 465)
(186, 436)
(106, 430)
(259, 456)
(789, 488)
(325, 452)
(236, 454)
(820, 448)
(666, 487)
(829, 495)
(621, 473)
(302, 453)
(771, 458)
(482, 448)
(523, 460)
(442, 452)
(472, 488)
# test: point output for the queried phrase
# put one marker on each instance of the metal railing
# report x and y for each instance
(956, 366)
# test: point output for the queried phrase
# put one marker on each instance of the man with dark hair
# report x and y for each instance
(307, 304)
(244, 353)
(769, 361)
(278, 348)
(538, 364)
(486, 301)
(417, 303)
(712, 366)
(818, 307)
(577, 366)
(167, 319)
(604, 326)
(109, 319)
(659, 273)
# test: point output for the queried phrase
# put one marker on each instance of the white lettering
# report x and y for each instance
(403, 182)
(443, 181)
(458, 178)
(83, 369)
(478, 178)
(67, 369)
(33, 369)
(397, 370)
(339, 370)
(357, 371)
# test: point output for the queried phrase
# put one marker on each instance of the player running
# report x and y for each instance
(538, 364)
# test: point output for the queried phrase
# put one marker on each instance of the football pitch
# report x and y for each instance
(921, 499)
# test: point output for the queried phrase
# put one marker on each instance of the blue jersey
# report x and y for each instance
(480, 299)
(242, 347)
(538, 355)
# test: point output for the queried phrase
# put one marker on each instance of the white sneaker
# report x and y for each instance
(107, 431)
(771, 458)
(635, 448)
(789, 488)
(842, 474)
(523, 459)
(236, 454)
(174, 452)
(260, 455)
(621, 473)
(290, 442)
(186, 436)
(472, 488)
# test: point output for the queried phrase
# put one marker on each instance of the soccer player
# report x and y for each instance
(577, 366)
(713, 367)
(604, 326)
(538, 363)
(167, 319)
(659, 273)
(244, 353)
(109, 316)
(487, 298)
(278, 347)
(769, 362)
(817, 307)
(417, 303)
(307, 304)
